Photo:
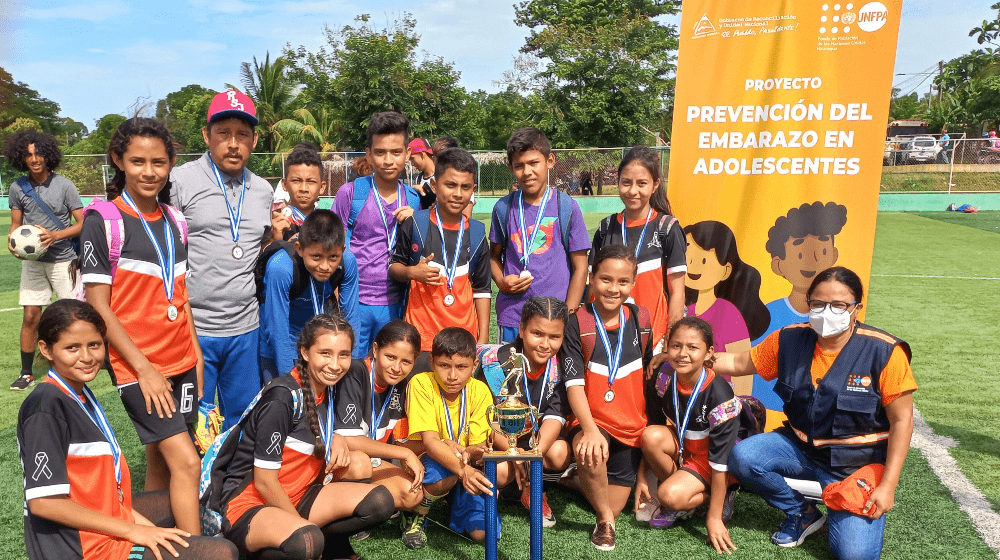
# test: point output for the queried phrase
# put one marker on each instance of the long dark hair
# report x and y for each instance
(61, 315)
(398, 330)
(649, 160)
(742, 288)
(318, 325)
(135, 127)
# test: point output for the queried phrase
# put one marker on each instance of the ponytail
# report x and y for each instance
(319, 324)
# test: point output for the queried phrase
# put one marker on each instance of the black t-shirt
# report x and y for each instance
(354, 404)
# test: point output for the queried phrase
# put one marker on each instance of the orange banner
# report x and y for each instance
(776, 156)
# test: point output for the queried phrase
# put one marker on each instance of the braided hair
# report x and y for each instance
(141, 127)
(553, 309)
(320, 324)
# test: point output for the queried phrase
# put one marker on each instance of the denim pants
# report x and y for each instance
(761, 464)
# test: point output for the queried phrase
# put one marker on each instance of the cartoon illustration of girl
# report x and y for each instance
(723, 290)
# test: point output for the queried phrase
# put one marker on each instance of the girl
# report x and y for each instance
(77, 484)
(723, 290)
(540, 336)
(272, 502)
(134, 264)
(647, 226)
(688, 442)
(605, 387)
(370, 408)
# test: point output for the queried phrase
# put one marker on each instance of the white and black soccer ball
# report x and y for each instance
(27, 243)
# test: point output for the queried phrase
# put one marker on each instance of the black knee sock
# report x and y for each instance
(303, 544)
(375, 508)
(27, 359)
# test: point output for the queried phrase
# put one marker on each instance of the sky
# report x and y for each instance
(95, 57)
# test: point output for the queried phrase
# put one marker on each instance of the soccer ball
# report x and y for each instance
(27, 242)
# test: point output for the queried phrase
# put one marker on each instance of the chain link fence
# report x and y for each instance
(921, 165)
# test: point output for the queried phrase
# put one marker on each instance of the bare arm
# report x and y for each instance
(734, 365)
(675, 298)
(512, 283)
(718, 535)
(16, 221)
(266, 482)
(483, 313)
(548, 434)
(900, 413)
(200, 366)
(593, 448)
(578, 282)
(382, 450)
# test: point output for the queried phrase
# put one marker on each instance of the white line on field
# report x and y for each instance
(932, 276)
(10, 309)
(934, 448)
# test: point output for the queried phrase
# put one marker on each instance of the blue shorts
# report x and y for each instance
(369, 319)
(468, 511)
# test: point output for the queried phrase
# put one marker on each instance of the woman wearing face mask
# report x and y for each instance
(848, 393)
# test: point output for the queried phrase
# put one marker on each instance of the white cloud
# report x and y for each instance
(100, 10)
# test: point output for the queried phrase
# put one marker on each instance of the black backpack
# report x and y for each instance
(300, 276)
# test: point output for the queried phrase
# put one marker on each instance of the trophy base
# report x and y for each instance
(501, 456)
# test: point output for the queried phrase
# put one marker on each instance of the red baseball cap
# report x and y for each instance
(232, 103)
(418, 145)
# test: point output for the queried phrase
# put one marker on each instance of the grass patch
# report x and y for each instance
(899, 179)
(986, 220)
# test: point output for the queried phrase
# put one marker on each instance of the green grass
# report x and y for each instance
(903, 179)
(949, 323)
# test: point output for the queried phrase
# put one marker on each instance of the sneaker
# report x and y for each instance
(795, 528)
(603, 537)
(23, 382)
(548, 518)
(414, 530)
(664, 518)
(361, 536)
(646, 510)
(729, 504)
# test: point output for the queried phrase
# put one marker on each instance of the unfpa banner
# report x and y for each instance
(776, 156)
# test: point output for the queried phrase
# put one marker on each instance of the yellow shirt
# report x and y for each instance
(424, 409)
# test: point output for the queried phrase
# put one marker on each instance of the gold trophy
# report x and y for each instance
(510, 417)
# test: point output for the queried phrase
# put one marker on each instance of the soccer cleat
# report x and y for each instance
(207, 427)
(664, 518)
(548, 518)
(603, 537)
(414, 530)
(24, 381)
(729, 505)
(795, 528)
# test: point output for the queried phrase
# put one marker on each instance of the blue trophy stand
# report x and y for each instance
(535, 513)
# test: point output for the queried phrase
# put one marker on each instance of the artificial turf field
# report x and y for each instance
(935, 283)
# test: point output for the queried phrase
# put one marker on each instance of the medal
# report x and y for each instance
(234, 216)
(166, 258)
(682, 424)
(376, 462)
(294, 215)
(642, 236)
(609, 396)
(287, 211)
(525, 274)
(614, 360)
(451, 269)
(327, 479)
(528, 242)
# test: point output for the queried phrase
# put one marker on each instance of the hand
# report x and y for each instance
(47, 237)
(340, 454)
(155, 537)
(402, 212)
(718, 536)
(655, 364)
(642, 495)
(11, 247)
(414, 466)
(881, 501)
(279, 225)
(592, 449)
(157, 392)
(475, 482)
(515, 284)
(520, 475)
(425, 273)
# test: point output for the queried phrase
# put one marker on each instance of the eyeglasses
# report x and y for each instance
(838, 307)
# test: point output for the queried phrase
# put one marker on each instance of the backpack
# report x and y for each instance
(29, 190)
(363, 186)
(114, 231)
(564, 206)
(217, 459)
(300, 276)
(588, 328)
(602, 229)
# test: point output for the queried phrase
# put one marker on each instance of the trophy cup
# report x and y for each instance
(510, 417)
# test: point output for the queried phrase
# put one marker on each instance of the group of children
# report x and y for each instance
(375, 317)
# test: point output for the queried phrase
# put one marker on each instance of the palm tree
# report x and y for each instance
(320, 128)
(272, 92)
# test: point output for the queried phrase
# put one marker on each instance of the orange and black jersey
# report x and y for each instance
(273, 440)
(137, 295)
(663, 253)
(426, 309)
(625, 416)
(63, 453)
(714, 423)
(354, 404)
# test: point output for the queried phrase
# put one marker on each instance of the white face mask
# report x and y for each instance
(826, 323)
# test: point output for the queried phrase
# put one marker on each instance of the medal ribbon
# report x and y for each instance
(377, 420)
(234, 217)
(317, 302)
(326, 428)
(682, 425)
(297, 215)
(390, 234)
(526, 243)
(642, 237)
(166, 261)
(541, 394)
(97, 416)
(614, 360)
(450, 270)
(447, 416)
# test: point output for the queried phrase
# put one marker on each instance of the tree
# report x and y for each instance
(304, 126)
(989, 31)
(272, 91)
(183, 126)
(17, 100)
(98, 140)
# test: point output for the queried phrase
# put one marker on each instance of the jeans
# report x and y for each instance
(761, 464)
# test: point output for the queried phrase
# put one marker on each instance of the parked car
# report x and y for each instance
(923, 149)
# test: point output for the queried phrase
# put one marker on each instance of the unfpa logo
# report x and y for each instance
(704, 28)
(872, 16)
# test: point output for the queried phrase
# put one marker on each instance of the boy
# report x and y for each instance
(299, 279)
(371, 211)
(449, 278)
(303, 184)
(454, 442)
(549, 223)
(422, 157)
(46, 200)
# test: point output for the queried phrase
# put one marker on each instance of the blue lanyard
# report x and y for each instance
(98, 417)
(682, 424)
(234, 217)
(166, 261)
(526, 243)
(317, 302)
(447, 416)
(541, 394)
(389, 233)
(326, 428)
(297, 215)
(614, 360)
(450, 270)
(377, 420)
(642, 237)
